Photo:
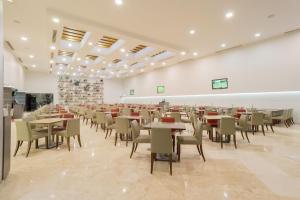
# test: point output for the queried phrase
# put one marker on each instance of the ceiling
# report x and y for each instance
(115, 41)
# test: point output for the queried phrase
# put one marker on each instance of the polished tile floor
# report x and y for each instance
(268, 168)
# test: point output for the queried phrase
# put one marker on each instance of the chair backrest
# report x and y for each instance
(268, 117)
(126, 111)
(135, 129)
(109, 119)
(23, 130)
(227, 125)
(122, 125)
(257, 118)
(157, 114)
(161, 140)
(100, 117)
(176, 116)
(73, 127)
(243, 121)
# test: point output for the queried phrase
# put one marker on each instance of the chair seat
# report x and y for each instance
(113, 126)
(40, 134)
(143, 139)
(186, 120)
(187, 140)
(278, 118)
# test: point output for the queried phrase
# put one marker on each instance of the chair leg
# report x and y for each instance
(170, 160)
(152, 161)
(68, 143)
(221, 138)
(28, 148)
(198, 149)
(110, 132)
(18, 144)
(234, 139)
(263, 129)
(116, 138)
(79, 140)
(242, 134)
(46, 142)
(267, 127)
(136, 145)
(272, 128)
(202, 153)
(178, 151)
(36, 143)
(97, 127)
(106, 133)
(133, 147)
(246, 133)
(57, 139)
(126, 139)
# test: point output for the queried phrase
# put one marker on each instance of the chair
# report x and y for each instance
(282, 118)
(257, 120)
(268, 121)
(110, 125)
(227, 128)
(122, 128)
(176, 116)
(126, 112)
(89, 114)
(161, 143)
(25, 133)
(243, 126)
(192, 140)
(72, 129)
(212, 122)
(100, 119)
(146, 118)
(156, 115)
(136, 137)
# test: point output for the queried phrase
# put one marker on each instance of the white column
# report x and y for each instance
(1, 87)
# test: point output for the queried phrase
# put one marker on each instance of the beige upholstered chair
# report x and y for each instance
(227, 128)
(156, 115)
(136, 137)
(243, 126)
(161, 143)
(192, 140)
(89, 115)
(176, 116)
(122, 129)
(25, 133)
(146, 118)
(72, 130)
(110, 125)
(257, 119)
(268, 121)
(283, 117)
(99, 120)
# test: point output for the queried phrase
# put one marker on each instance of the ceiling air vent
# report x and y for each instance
(292, 31)
(91, 57)
(72, 35)
(19, 60)
(115, 61)
(9, 45)
(138, 48)
(106, 42)
(65, 53)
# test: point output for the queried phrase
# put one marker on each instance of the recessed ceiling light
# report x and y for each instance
(72, 68)
(70, 45)
(104, 62)
(192, 32)
(229, 15)
(112, 72)
(33, 65)
(61, 67)
(119, 2)
(51, 61)
(122, 50)
(163, 64)
(152, 63)
(52, 47)
(92, 70)
(64, 59)
(78, 59)
(24, 38)
(98, 71)
(58, 73)
(79, 69)
(257, 34)
(142, 70)
(183, 53)
(223, 45)
(109, 65)
(10, 1)
(90, 43)
(146, 58)
(55, 20)
(125, 66)
(31, 56)
(74, 74)
(195, 54)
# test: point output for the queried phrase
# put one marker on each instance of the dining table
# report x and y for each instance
(50, 122)
(53, 115)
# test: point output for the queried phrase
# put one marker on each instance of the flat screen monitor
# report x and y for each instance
(160, 89)
(220, 83)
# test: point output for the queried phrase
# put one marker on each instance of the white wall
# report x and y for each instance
(13, 72)
(113, 89)
(270, 66)
(41, 82)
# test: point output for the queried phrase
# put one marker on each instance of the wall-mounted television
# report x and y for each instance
(219, 83)
(160, 89)
(131, 92)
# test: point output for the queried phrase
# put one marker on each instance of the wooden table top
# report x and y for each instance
(49, 115)
(166, 125)
(181, 113)
(215, 117)
(48, 120)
